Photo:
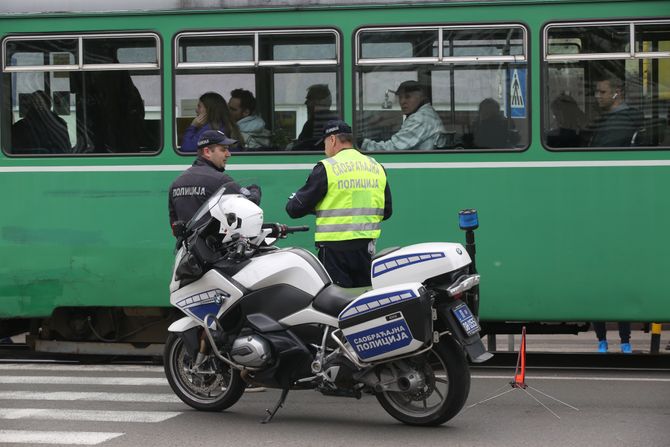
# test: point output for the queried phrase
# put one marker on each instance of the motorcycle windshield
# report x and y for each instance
(227, 190)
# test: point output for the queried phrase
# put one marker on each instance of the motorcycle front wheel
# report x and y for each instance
(445, 388)
(211, 386)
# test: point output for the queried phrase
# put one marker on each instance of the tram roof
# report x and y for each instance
(73, 6)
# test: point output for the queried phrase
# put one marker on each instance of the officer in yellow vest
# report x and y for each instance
(350, 195)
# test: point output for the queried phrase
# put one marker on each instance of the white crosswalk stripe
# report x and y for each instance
(55, 437)
(75, 380)
(55, 382)
(76, 367)
(89, 396)
(86, 415)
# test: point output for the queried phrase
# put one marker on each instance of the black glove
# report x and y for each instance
(253, 193)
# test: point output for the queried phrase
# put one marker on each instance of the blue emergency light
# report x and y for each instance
(468, 220)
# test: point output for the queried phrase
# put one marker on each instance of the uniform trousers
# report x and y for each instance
(347, 267)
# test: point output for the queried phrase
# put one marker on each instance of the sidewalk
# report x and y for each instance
(584, 342)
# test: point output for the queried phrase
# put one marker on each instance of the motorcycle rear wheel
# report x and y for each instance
(216, 388)
(446, 387)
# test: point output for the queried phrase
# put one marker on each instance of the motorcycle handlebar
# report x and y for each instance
(297, 229)
(281, 230)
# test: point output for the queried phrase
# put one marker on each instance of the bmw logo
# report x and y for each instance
(459, 251)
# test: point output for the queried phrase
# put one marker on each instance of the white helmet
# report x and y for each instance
(238, 215)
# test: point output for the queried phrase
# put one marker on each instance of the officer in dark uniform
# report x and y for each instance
(195, 185)
(350, 195)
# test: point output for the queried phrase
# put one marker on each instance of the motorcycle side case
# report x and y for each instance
(418, 262)
(388, 322)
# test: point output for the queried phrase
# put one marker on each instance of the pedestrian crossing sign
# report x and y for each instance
(517, 93)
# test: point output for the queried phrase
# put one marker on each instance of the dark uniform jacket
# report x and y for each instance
(304, 201)
(195, 185)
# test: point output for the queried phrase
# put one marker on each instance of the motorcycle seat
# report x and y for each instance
(333, 299)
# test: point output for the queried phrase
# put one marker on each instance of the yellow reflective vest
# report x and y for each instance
(353, 207)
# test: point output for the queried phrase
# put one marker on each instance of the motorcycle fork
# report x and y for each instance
(203, 351)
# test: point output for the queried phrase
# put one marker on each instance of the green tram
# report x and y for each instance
(571, 231)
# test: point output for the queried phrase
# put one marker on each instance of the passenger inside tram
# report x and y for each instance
(422, 128)
(569, 120)
(40, 130)
(318, 102)
(619, 124)
(212, 113)
(491, 130)
(242, 106)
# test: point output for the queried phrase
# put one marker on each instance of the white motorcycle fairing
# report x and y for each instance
(211, 294)
(291, 266)
(418, 262)
(184, 324)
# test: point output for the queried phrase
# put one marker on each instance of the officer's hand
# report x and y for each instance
(254, 193)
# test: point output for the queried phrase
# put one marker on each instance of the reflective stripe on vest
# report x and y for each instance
(354, 205)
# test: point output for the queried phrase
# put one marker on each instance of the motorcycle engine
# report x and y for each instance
(251, 350)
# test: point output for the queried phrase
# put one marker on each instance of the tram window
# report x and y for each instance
(594, 39)
(607, 95)
(213, 49)
(483, 42)
(41, 52)
(290, 79)
(476, 88)
(405, 44)
(106, 50)
(285, 47)
(107, 103)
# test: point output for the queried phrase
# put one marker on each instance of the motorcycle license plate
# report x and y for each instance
(466, 319)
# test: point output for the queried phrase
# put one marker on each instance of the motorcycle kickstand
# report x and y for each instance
(279, 404)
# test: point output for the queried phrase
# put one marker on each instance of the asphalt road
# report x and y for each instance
(132, 405)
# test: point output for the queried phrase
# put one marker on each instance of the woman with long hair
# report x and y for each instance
(211, 114)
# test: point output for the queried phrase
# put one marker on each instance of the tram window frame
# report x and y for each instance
(77, 74)
(263, 66)
(460, 135)
(646, 124)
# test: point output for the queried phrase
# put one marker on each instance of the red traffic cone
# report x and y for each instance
(520, 372)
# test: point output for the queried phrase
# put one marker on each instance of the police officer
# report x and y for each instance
(350, 195)
(195, 185)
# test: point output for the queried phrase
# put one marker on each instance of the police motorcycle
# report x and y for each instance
(267, 316)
